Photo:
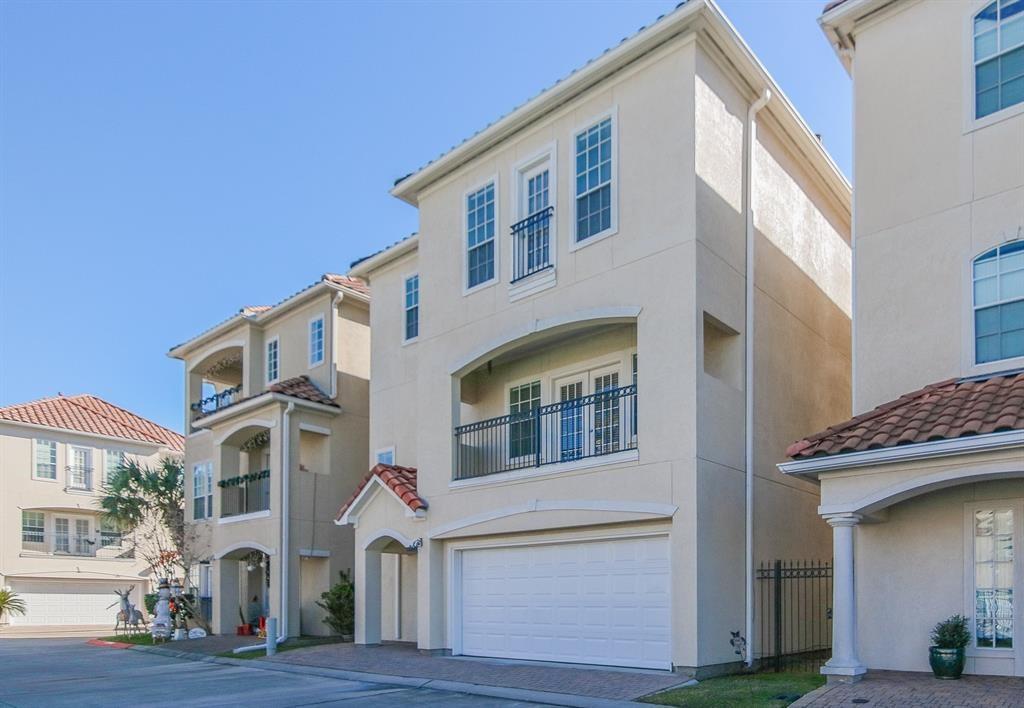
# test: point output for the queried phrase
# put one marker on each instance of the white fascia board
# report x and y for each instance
(258, 401)
(905, 453)
(363, 268)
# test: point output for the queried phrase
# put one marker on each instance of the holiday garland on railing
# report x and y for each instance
(243, 479)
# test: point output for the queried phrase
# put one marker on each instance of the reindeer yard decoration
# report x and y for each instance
(129, 620)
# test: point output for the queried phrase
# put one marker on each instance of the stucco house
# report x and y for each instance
(624, 300)
(924, 487)
(277, 424)
(56, 550)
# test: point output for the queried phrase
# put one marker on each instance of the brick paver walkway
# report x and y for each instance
(897, 689)
(405, 660)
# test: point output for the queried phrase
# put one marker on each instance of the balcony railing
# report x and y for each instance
(241, 496)
(79, 477)
(531, 239)
(216, 402)
(599, 424)
(73, 544)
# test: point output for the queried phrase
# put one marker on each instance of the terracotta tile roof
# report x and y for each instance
(90, 414)
(250, 310)
(302, 387)
(346, 282)
(954, 408)
(400, 480)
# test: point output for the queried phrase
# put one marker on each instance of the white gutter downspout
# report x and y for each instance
(749, 143)
(335, 316)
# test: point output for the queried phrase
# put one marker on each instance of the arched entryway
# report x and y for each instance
(387, 611)
(243, 589)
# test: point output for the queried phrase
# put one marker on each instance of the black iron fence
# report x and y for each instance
(599, 424)
(795, 607)
(216, 402)
(531, 239)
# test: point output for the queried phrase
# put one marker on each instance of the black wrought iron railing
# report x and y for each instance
(214, 403)
(245, 496)
(531, 240)
(599, 424)
(79, 477)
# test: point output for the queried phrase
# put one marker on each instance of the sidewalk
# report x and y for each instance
(399, 665)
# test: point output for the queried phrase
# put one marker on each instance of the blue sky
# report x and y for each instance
(164, 163)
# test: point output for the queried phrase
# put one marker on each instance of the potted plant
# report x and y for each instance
(946, 655)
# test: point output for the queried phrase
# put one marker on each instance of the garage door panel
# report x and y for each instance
(602, 602)
(70, 603)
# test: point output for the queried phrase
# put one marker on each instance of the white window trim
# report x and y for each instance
(56, 466)
(574, 243)
(309, 342)
(528, 381)
(207, 487)
(377, 453)
(1017, 651)
(266, 359)
(496, 276)
(405, 310)
(107, 454)
(970, 346)
(542, 279)
(971, 123)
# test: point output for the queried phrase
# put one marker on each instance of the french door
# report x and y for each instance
(80, 469)
(589, 422)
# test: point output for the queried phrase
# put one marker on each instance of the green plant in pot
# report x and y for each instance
(946, 655)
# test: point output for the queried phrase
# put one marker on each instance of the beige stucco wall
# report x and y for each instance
(20, 491)
(933, 192)
(677, 254)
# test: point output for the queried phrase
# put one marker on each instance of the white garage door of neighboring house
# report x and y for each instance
(598, 602)
(62, 603)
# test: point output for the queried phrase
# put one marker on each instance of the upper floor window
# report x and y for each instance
(531, 234)
(115, 459)
(32, 527)
(998, 57)
(45, 460)
(316, 341)
(999, 303)
(273, 360)
(480, 236)
(594, 180)
(412, 307)
(202, 491)
(386, 456)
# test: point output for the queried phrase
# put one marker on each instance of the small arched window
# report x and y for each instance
(998, 57)
(999, 303)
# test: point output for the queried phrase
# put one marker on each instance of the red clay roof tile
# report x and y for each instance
(400, 480)
(950, 409)
(302, 387)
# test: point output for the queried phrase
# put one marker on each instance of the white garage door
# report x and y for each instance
(600, 602)
(62, 603)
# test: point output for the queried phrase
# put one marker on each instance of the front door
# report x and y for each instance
(995, 607)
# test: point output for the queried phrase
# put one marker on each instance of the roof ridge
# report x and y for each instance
(132, 416)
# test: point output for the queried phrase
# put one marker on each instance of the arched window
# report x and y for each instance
(998, 57)
(999, 303)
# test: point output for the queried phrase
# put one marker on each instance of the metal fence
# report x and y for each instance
(216, 402)
(531, 239)
(599, 424)
(795, 604)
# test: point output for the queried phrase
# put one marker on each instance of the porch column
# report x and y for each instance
(844, 665)
(226, 595)
(367, 583)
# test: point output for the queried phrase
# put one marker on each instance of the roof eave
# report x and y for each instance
(362, 269)
(838, 23)
(258, 400)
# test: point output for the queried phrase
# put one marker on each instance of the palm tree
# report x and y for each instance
(10, 603)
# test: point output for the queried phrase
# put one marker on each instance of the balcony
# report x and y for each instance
(246, 494)
(603, 423)
(216, 402)
(531, 239)
(104, 544)
(79, 477)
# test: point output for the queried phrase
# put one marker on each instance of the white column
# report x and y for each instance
(844, 664)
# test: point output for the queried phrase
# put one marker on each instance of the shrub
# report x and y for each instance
(951, 633)
(340, 604)
(149, 600)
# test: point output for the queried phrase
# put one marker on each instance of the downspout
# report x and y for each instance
(335, 316)
(749, 142)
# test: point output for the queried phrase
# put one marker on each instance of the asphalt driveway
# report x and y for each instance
(68, 672)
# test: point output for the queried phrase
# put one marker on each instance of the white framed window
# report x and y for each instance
(412, 307)
(522, 437)
(80, 468)
(594, 150)
(316, 341)
(998, 287)
(386, 455)
(992, 580)
(45, 463)
(481, 231)
(113, 460)
(998, 52)
(33, 527)
(202, 491)
(273, 360)
(533, 248)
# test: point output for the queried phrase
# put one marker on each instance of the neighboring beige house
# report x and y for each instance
(56, 550)
(925, 490)
(558, 395)
(277, 425)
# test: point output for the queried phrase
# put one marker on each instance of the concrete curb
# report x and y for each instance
(515, 694)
